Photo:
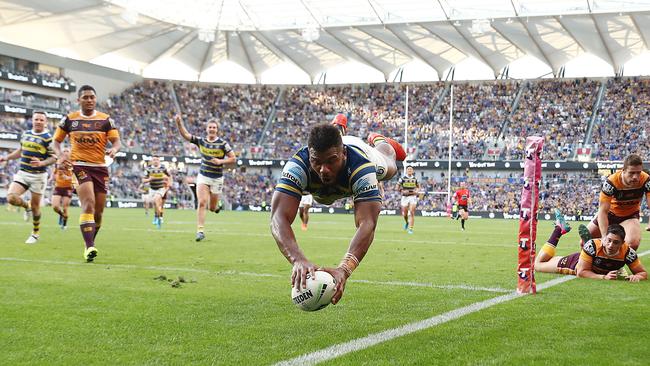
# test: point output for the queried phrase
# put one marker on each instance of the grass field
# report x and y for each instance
(235, 307)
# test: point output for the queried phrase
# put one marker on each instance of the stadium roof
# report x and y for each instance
(300, 40)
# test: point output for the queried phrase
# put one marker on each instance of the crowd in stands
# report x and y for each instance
(241, 110)
(479, 111)
(623, 121)
(559, 110)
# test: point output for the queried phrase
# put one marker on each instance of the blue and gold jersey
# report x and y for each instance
(409, 184)
(357, 179)
(209, 150)
(35, 145)
(157, 176)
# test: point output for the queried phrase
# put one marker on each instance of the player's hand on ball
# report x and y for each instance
(340, 277)
(299, 273)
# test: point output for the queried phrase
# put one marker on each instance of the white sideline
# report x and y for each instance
(254, 274)
(390, 334)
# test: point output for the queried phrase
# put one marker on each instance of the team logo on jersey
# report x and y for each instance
(647, 185)
(381, 171)
(75, 124)
(590, 248)
(608, 188)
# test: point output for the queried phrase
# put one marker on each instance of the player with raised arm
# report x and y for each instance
(331, 169)
(462, 202)
(89, 132)
(215, 153)
(62, 192)
(620, 201)
(157, 176)
(598, 259)
(35, 154)
(408, 186)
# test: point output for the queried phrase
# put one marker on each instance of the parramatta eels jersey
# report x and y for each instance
(209, 150)
(35, 145)
(157, 176)
(593, 252)
(408, 183)
(357, 179)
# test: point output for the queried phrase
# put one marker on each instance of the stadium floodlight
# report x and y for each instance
(310, 34)
(206, 35)
(479, 26)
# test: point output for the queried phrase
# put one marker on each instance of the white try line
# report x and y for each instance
(390, 334)
(254, 274)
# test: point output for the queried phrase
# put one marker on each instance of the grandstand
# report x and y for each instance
(461, 84)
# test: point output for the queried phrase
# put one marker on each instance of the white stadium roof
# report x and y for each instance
(299, 41)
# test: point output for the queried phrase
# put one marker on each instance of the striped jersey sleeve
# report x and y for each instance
(295, 175)
(364, 184)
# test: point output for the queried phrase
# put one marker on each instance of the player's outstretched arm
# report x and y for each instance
(13, 156)
(283, 211)
(638, 273)
(181, 128)
(585, 270)
(366, 215)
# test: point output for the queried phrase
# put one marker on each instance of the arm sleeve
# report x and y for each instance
(294, 178)
(226, 148)
(632, 259)
(607, 191)
(194, 140)
(62, 130)
(363, 182)
(588, 251)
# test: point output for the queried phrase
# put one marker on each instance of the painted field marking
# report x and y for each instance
(359, 344)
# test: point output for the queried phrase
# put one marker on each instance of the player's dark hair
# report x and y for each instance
(408, 166)
(39, 112)
(324, 136)
(84, 88)
(632, 160)
(617, 230)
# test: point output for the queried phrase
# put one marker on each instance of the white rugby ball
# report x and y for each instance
(318, 293)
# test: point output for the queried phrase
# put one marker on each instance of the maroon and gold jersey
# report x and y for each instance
(88, 136)
(593, 252)
(63, 177)
(624, 201)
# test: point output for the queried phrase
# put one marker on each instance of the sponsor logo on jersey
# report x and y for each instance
(608, 188)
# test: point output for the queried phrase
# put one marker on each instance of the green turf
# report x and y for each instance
(56, 309)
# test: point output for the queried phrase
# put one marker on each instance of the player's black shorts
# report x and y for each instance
(463, 207)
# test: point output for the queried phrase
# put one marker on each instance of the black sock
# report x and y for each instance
(462, 223)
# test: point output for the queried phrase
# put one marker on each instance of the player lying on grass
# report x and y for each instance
(330, 168)
(598, 259)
